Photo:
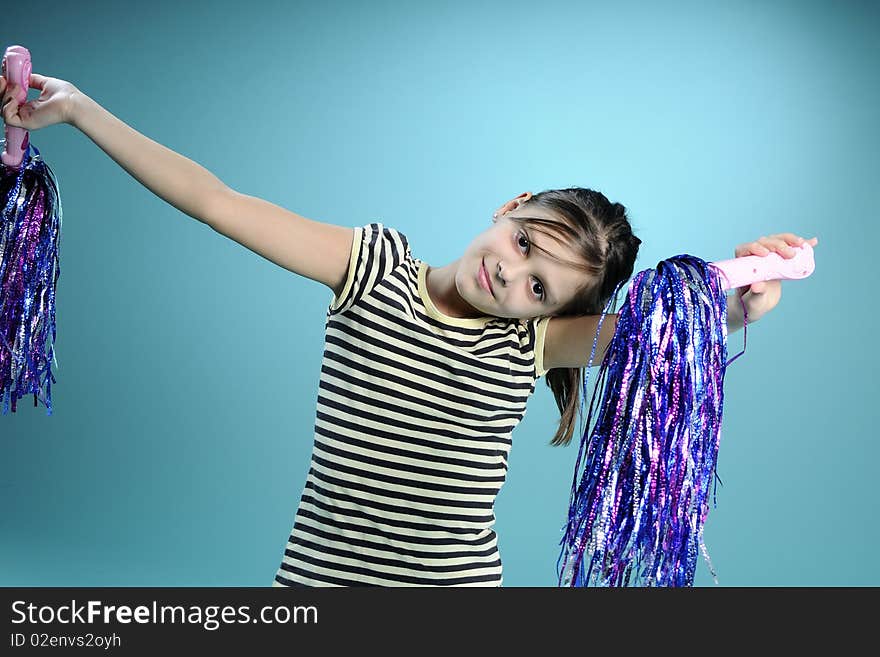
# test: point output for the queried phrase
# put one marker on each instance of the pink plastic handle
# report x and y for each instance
(739, 272)
(17, 69)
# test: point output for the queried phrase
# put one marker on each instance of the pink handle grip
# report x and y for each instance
(739, 272)
(17, 69)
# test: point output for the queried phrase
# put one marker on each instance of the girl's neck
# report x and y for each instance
(440, 285)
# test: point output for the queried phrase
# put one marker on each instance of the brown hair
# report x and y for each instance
(600, 232)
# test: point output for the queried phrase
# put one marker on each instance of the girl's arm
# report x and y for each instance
(174, 178)
(313, 249)
(568, 340)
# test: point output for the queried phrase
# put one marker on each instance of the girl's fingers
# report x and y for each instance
(750, 248)
(780, 245)
(36, 81)
(758, 247)
(785, 244)
(791, 238)
(773, 242)
(797, 240)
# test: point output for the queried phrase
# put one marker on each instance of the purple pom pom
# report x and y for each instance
(30, 230)
(639, 502)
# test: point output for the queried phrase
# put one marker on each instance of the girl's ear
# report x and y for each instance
(513, 204)
(523, 198)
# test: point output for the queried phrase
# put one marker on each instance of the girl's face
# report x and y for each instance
(524, 281)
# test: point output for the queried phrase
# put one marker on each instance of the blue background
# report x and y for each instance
(188, 367)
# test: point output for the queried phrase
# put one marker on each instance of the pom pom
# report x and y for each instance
(639, 502)
(30, 230)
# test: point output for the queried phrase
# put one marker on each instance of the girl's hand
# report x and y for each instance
(761, 297)
(53, 106)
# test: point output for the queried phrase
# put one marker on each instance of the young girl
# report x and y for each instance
(426, 370)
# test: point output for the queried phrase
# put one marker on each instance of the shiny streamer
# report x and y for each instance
(640, 492)
(30, 231)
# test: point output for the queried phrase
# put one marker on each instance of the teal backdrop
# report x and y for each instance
(188, 366)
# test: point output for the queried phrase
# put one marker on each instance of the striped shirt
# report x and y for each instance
(412, 431)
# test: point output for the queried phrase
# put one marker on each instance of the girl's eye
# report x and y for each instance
(522, 236)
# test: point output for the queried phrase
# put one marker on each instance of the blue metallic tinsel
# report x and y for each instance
(30, 232)
(639, 501)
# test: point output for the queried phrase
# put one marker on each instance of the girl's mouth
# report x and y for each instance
(483, 278)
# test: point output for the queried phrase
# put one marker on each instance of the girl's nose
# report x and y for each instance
(512, 272)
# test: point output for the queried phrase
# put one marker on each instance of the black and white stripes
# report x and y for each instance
(412, 431)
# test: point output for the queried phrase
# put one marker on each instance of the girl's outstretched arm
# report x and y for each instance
(172, 177)
(313, 249)
(319, 251)
(569, 340)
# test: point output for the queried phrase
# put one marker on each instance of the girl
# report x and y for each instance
(426, 371)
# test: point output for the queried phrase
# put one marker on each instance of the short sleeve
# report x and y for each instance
(376, 251)
(540, 332)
